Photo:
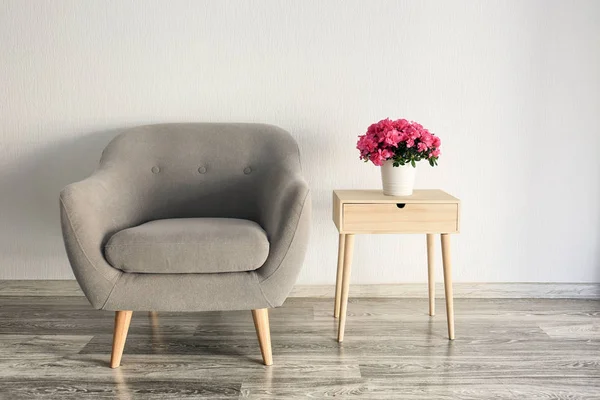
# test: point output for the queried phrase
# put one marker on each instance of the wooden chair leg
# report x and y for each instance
(261, 323)
(431, 272)
(339, 277)
(448, 284)
(122, 320)
(348, 250)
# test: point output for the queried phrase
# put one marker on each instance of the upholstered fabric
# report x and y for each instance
(242, 171)
(189, 246)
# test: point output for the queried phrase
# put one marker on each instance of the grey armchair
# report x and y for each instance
(189, 217)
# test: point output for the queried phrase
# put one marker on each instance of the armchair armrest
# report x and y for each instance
(284, 213)
(91, 211)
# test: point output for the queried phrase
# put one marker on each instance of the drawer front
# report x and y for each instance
(407, 218)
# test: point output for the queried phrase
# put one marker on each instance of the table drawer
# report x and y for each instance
(400, 218)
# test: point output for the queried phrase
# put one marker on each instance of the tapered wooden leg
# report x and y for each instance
(431, 273)
(348, 249)
(448, 283)
(340, 273)
(122, 320)
(261, 323)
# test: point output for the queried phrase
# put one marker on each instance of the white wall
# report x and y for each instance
(511, 87)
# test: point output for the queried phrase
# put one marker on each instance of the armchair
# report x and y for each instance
(189, 217)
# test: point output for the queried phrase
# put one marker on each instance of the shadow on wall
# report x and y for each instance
(31, 185)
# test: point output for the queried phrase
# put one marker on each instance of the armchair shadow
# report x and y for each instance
(30, 183)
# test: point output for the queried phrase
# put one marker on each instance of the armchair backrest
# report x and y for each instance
(200, 169)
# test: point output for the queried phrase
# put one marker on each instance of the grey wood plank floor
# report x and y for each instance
(59, 347)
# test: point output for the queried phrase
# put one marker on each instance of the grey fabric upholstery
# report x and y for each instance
(189, 246)
(243, 171)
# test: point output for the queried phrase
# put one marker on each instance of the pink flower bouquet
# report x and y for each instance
(403, 141)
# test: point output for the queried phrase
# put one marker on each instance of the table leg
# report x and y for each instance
(448, 283)
(340, 273)
(431, 272)
(348, 248)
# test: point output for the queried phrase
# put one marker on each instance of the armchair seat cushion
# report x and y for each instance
(189, 246)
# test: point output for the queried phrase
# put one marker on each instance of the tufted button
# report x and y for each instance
(155, 170)
(202, 170)
(247, 170)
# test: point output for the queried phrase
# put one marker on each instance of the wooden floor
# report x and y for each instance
(59, 348)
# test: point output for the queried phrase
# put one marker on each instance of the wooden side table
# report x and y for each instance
(369, 211)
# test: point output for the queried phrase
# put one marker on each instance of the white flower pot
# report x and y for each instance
(397, 181)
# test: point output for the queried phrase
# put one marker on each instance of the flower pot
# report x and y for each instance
(397, 181)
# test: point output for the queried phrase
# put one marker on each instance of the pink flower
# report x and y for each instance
(379, 157)
(403, 137)
(387, 154)
(391, 138)
(436, 142)
(380, 126)
(376, 159)
(366, 145)
(435, 153)
(421, 146)
(410, 143)
(401, 124)
(427, 138)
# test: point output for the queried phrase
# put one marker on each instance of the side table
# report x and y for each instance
(427, 212)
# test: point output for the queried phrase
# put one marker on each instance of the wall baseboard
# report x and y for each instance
(462, 290)
(408, 290)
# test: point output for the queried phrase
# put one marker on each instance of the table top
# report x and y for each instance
(431, 196)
